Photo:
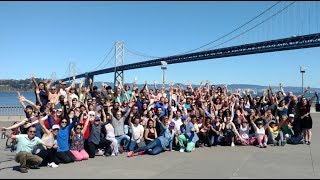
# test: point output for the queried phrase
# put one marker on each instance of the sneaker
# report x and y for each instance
(274, 143)
(232, 144)
(52, 165)
(130, 154)
(193, 149)
(141, 152)
(35, 167)
(307, 142)
(264, 145)
(283, 143)
(181, 150)
(23, 170)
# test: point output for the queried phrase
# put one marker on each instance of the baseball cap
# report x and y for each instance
(172, 124)
(55, 126)
(64, 83)
(91, 113)
(97, 118)
(272, 121)
(291, 115)
(95, 87)
(183, 118)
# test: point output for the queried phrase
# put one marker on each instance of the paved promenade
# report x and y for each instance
(290, 161)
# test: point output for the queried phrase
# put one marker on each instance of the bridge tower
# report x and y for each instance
(119, 59)
(72, 70)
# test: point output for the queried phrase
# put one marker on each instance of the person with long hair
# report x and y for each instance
(306, 120)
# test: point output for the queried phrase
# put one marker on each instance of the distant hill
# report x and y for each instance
(27, 85)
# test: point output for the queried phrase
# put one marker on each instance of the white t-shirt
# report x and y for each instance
(137, 131)
(177, 124)
(110, 131)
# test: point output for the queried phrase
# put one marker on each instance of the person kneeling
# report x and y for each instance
(26, 143)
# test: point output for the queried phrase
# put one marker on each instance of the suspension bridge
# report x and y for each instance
(261, 34)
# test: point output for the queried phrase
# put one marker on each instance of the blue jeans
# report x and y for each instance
(126, 139)
(132, 145)
(295, 140)
(215, 138)
(38, 131)
(152, 148)
(279, 137)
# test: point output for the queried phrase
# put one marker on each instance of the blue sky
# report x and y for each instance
(43, 37)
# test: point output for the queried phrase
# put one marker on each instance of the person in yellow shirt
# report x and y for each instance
(275, 133)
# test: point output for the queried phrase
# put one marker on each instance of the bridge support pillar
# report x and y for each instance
(119, 59)
(88, 76)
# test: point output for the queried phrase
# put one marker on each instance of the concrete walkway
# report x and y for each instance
(290, 161)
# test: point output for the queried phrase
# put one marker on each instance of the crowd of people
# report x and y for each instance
(68, 124)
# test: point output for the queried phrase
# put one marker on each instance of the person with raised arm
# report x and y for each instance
(137, 132)
(49, 136)
(25, 145)
(77, 141)
(260, 131)
(118, 124)
(64, 154)
(42, 93)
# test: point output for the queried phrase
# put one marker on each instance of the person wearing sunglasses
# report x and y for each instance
(77, 142)
(64, 154)
(25, 145)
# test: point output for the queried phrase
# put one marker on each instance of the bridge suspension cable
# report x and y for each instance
(252, 27)
(233, 30)
(104, 58)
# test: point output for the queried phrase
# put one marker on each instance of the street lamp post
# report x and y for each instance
(302, 71)
(164, 68)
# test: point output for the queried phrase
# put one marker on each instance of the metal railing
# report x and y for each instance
(11, 111)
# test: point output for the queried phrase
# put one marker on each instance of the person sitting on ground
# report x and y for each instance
(64, 154)
(25, 145)
(150, 133)
(289, 133)
(230, 132)
(48, 155)
(118, 124)
(275, 134)
(110, 136)
(260, 132)
(187, 135)
(137, 132)
(77, 142)
(95, 140)
(158, 145)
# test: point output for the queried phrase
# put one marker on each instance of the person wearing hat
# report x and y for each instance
(260, 132)
(160, 144)
(95, 141)
(187, 135)
(290, 136)
(275, 133)
(49, 136)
